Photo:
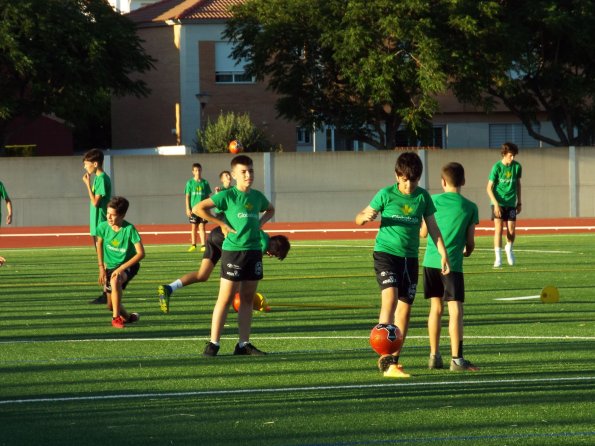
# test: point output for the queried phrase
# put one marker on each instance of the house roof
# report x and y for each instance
(183, 9)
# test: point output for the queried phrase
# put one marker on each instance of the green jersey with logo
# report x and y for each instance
(454, 215)
(198, 190)
(505, 180)
(401, 217)
(118, 247)
(3, 196)
(264, 241)
(242, 212)
(102, 185)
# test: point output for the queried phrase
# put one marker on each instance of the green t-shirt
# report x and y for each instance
(102, 185)
(198, 190)
(264, 241)
(3, 196)
(118, 247)
(454, 215)
(242, 212)
(401, 217)
(505, 182)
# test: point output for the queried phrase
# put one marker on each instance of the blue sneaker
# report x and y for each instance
(164, 293)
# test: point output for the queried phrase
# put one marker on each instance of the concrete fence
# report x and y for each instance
(326, 186)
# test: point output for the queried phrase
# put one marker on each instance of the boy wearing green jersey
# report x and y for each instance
(99, 192)
(456, 217)
(197, 189)
(504, 190)
(4, 196)
(275, 246)
(119, 252)
(402, 207)
(241, 257)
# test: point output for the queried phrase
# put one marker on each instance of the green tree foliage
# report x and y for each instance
(533, 56)
(364, 66)
(65, 57)
(217, 135)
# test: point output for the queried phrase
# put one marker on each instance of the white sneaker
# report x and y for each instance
(497, 263)
(509, 254)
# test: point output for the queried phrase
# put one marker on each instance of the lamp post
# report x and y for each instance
(203, 99)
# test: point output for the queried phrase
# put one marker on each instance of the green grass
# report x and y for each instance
(69, 378)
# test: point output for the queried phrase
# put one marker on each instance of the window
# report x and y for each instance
(303, 135)
(515, 133)
(227, 71)
(434, 137)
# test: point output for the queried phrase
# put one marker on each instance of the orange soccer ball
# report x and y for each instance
(235, 147)
(386, 339)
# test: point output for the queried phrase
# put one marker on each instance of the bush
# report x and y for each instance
(229, 126)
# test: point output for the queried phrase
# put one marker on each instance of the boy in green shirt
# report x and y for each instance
(402, 207)
(119, 252)
(241, 258)
(4, 196)
(197, 189)
(99, 193)
(504, 190)
(456, 217)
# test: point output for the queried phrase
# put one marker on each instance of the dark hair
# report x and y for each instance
(197, 165)
(509, 147)
(409, 165)
(224, 171)
(454, 174)
(279, 246)
(94, 156)
(120, 204)
(244, 160)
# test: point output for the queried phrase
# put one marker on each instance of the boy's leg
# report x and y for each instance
(498, 242)
(102, 298)
(402, 315)
(388, 305)
(227, 289)
(202, 233)
(118, 312)
(455, 328)
(193, 228)
(510, 237)
(247, 292)
(202, 275)
(434, 324)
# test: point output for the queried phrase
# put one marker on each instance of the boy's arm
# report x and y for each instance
(188, 207)
(423, 230)
(99, 249)
(95, 199)
(470, 242)
(365, 215)
(490, 191)
(518, 196)
(268, 214)
(203, 208)
(437, 238)
(8, 211)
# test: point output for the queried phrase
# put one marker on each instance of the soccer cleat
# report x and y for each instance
(132, 318)
(118, 322)
(463, 366)
(396, 371)
(509, 254)
(192, 248)
(435, 362)
(497, 263)
(210, 349)
(385, 361)
(102, 299)
(164, 293)
(248, 350)
(202, 248)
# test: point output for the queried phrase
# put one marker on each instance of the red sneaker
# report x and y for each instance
(118, 322)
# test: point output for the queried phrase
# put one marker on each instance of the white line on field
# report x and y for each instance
(518, 298)
(292, 389)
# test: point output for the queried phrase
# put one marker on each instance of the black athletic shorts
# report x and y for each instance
(130, 273)
(507, 213)
(397, 272)
(451, 287)
(241, 265)
(213, 245)
(195, 219)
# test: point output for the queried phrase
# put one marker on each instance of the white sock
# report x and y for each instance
(508, 247)
(176, 285)
(243, 344)
(216, 343)
(498, 252)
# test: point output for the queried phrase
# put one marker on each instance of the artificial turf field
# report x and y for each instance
(68, 377)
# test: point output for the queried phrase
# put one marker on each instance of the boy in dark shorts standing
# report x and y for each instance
(456, 217)
(241, 257)
(119, 251)
(197, 189)
(402, 207)
(275, 246)
(504, 190)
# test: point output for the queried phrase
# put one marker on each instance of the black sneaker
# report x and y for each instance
(435, 362)
(102, 299)
(210, 349)
(248, 349)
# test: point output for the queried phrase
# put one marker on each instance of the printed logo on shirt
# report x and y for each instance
(407, 209)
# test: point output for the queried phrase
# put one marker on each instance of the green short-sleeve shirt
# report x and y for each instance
(454, 215)
(504, 179)
(242, 212)
(3, 196)
(118, 247)
(264, 241)
(401, 218)
(198, 190)
(102, 185)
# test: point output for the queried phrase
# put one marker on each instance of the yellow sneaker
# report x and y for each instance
(202, 248)
(396, 371)
(192, 248)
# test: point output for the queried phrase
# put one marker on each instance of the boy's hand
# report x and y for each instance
(102, 276)
(87, 178)
(188, 212)
(8, 219)
(227, 229)
(217, 189)
(445, 267)
(497, 211)
(369, 214)
(519, 208)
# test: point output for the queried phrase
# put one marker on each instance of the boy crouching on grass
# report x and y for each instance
(119, 251)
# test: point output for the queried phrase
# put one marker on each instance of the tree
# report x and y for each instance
(364, 66)
(534, 56)
(228, 127)
(65, 57)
